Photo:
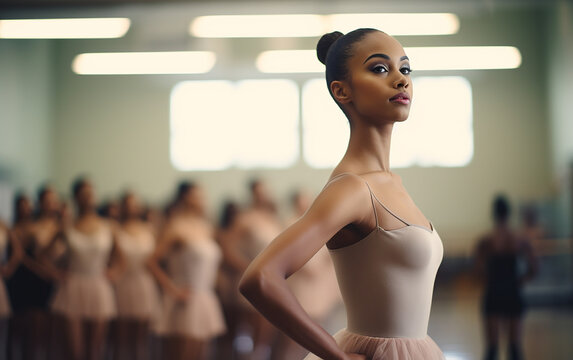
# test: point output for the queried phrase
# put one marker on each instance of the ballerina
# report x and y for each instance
(386, 253)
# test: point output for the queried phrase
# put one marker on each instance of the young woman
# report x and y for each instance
(24, 284)
(192, 314)
(136, 291)
(84, 295)
(498, 258)
(386, 253)
(31, 298)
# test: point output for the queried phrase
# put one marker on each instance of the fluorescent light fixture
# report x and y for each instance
(131, 63)
(307, 25)
(464, 57)
(397, 23)
(421, 58)
(247, 26)
(87, 28)
(289, 61)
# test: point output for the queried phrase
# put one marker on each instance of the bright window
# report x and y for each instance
(438, 132)
(220, 124)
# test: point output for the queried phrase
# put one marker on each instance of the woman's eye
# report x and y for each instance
(379, 69)
(406, 70)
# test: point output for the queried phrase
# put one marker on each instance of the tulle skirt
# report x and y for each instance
(4, 302)
(137, 296)
(376, 348)
(201, 317)
(85, 297)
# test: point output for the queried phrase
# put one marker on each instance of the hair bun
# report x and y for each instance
(325, 43)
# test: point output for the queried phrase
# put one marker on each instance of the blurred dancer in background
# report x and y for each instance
(32, 284)
(84, 295)
(192, 315)
(498, 256)
(253, 230)
(229, 275)
(9, 261)
(136, 292)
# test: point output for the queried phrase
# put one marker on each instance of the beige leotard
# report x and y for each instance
(386, 281)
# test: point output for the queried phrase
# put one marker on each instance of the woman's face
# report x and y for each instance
(379, 84)
(86, 197)
(24, 208)
(131, 206)
(50, 202)
(195, 198)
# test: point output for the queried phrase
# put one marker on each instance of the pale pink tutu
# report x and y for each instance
(376, 348)
(85, 297)
(137, 296)
(200, 317)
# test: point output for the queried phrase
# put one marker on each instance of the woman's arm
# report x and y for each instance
(16, 253)
(230, 241)
(44, 266)
(342, 202)
(166, 241)
(117, 262)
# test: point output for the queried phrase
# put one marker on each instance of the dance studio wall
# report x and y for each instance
(116, 128)
(26, 109)
(560, 90)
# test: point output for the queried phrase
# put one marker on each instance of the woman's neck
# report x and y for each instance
(369, 146)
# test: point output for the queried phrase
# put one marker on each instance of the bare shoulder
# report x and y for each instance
(343, 195)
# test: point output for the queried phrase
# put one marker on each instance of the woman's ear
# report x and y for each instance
(340, 92)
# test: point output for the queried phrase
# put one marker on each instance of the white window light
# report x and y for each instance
(421, 58)
(308, 25)
(130, 63)
(79, 28)
(249, 124)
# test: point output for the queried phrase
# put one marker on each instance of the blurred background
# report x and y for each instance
(241, 114)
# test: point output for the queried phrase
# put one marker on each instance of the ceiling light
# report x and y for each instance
(397, 24)
(289, 61)
(169, 62)
(88, 28)
(246, 26)
(421, 58)
(307, 25)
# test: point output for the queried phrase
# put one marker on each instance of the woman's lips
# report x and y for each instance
(401, 98)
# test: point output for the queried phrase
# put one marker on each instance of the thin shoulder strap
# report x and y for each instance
(390, 211)
(372, 196)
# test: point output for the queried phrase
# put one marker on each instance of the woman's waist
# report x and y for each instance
(406, 319)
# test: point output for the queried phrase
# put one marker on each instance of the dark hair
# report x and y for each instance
(334, 49)
(78, 184)
(501, 209)
(19, 197)
(229, 213)
(183, 188)
(42, 191)
(253, 183)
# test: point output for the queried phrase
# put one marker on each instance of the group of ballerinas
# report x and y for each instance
(125, 282)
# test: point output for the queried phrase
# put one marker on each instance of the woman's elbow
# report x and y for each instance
(252, 284)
